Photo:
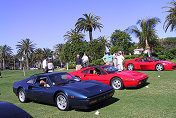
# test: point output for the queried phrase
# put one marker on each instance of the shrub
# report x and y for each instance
(71, 65)
(97, 62)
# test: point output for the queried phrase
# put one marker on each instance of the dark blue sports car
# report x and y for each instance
(63, 90)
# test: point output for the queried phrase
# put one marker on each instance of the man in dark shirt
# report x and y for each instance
(78, 63)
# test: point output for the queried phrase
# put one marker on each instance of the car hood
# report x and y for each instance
(132, 74)
(88, 88)
(166, 62)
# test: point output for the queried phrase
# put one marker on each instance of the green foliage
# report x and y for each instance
(134, 56)
(71, 65)
(97, 62)
(121, 41)
(95, 49)
(71, 49)
(168, 43)
(171, 17)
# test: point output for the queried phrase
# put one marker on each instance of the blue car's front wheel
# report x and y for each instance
(22, 95)
(62, 102)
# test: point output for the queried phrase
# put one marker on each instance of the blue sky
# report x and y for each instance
(45, 22)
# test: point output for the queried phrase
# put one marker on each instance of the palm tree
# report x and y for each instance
(5, 53)
(147, 33)
(47, 52)
(57, 50)
(19, 55)
(39, 56)
(171, 18)
(88, 23)
(26, 47)
(73, 34)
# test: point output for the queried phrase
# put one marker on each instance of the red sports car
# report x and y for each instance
(111, 76)
(149, 63)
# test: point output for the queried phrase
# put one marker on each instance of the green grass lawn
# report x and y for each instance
(158, 100)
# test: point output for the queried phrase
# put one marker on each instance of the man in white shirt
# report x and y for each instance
(85, 60)
(50, 66)
(45, 65)
(120, 59)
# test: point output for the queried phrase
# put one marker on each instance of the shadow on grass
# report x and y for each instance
(99, 105)
(137, 87)
(91, 108)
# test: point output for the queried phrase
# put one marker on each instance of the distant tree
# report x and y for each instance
(95, 49)
(88, 23)
(171, 17)
(104, 40)
(168, 43)
(47, 52)
(39, 56)
(26, 47)
(147, 34)
(57, 52)
(121, 40)
(73, 34)
(71, 49)
(5, 53)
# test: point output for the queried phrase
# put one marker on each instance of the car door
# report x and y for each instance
(96, 74)
(40, 93)
(145, 63)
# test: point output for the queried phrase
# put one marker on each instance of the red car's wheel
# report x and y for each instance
(116, 83)
(130, 67)
(159, 67)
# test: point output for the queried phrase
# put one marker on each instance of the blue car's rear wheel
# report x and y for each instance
(22, 95)
(62, 102)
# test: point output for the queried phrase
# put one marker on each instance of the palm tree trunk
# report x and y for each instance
(27, 62)
(3, 63)
(148, 48)
(60, 61)
(90, 35)
(14, 64)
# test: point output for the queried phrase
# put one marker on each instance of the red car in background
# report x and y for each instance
(149, 63)
(111, 76)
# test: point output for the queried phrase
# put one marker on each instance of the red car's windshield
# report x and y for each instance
(154, 59)
(110, 69)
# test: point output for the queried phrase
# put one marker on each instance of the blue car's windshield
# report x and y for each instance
(61, 78)
(154, 59)
(110, 69)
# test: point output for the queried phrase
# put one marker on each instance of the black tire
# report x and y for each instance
(159, 67)
(117, 83)
(62, 102)
(22, 96)
(130, 66)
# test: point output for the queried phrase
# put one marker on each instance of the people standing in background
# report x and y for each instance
(115, 59)
(108, 59)
(45, 65)
(120, 59)
(85, 60)
(50, 66)
(78, 63)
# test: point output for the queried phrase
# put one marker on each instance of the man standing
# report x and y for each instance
(120, 59)
(78, 63)
(108, 59)
(45, 65)
(85, 60)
